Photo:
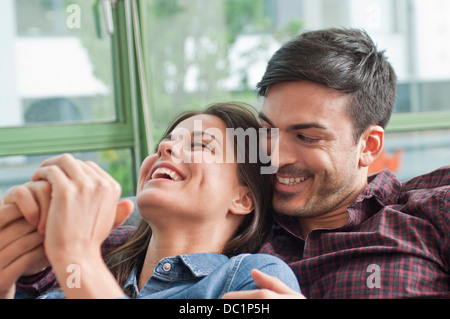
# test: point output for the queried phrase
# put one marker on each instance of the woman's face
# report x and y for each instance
(190, 175)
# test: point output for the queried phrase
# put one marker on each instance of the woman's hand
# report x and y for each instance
(81, 214)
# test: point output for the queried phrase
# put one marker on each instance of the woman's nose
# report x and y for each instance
(164, 148)
(171, 148)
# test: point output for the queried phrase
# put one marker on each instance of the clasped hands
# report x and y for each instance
(67, 209)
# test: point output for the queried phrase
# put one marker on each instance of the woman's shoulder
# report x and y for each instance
(258, 260)
(243, 265)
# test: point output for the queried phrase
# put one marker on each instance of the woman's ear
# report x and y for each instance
(372, 142)
(243, 202)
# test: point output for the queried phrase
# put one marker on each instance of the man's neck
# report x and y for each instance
(328, 221)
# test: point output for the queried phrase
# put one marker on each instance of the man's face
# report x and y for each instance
(317, 158)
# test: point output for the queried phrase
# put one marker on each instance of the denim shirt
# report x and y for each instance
(205, 276)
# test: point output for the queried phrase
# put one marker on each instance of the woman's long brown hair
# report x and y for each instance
(253, 230)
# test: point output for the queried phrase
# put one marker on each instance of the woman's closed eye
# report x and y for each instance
(202, 145)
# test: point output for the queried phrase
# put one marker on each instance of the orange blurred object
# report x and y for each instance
(385, 160)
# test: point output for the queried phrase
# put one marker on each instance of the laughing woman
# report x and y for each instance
(203, 217)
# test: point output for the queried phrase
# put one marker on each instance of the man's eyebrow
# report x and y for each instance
(293, 127)
(305, 126)
(263, 117)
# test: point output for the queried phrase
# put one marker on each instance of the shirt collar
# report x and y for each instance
(202, 264)
(199, 265)
(384, 186)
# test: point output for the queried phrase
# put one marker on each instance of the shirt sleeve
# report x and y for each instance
(36, 285)
(267, 264)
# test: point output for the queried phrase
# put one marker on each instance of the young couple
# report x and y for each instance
(203, 217)
(345, 234)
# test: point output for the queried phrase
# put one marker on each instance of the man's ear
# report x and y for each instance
(243, 203)
(372, 143)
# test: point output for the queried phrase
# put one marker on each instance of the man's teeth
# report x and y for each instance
(161, 172)
(290, 180)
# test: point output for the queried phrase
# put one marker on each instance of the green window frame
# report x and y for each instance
(419, 121)
(130, 128)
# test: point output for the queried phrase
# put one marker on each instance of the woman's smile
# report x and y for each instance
(166, 171)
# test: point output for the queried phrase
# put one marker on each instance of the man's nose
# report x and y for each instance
(282, 152)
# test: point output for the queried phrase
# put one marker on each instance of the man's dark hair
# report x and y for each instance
(346, 60)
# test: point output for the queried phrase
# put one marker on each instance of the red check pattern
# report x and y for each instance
(395, 245)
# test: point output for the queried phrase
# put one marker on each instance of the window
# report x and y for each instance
(62, 70)
(66, 86)
(200, 51)
(102, 78)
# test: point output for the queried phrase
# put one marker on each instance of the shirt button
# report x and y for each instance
(167, 267)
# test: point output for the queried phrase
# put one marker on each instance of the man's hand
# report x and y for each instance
(21, 249)
(32, 199)
(270, 288)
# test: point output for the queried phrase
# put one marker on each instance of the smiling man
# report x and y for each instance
(317, 186)
(345, 234)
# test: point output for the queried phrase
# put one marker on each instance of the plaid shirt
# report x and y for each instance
(394, 245)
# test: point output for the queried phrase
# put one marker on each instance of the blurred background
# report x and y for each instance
(102, 78)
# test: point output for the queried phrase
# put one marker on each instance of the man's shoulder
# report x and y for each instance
(429, 191)
(436, 179)
(386, 187)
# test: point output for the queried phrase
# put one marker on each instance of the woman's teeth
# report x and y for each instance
(163, 172)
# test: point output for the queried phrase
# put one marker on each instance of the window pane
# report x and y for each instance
(16, 170)
(56, 64)
(201, 51)
(409, 154)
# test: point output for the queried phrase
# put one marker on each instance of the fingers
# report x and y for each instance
(19, 248)
(11, 272)
(42, 192)
(270, 288)
(8, 214)
(67, 163)
(65, 168)
(53, 174)
(123, 211)
(274, 284)
(247, 294)
(23, 198)
(74, 169)
(35, 257)
(14, 231)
